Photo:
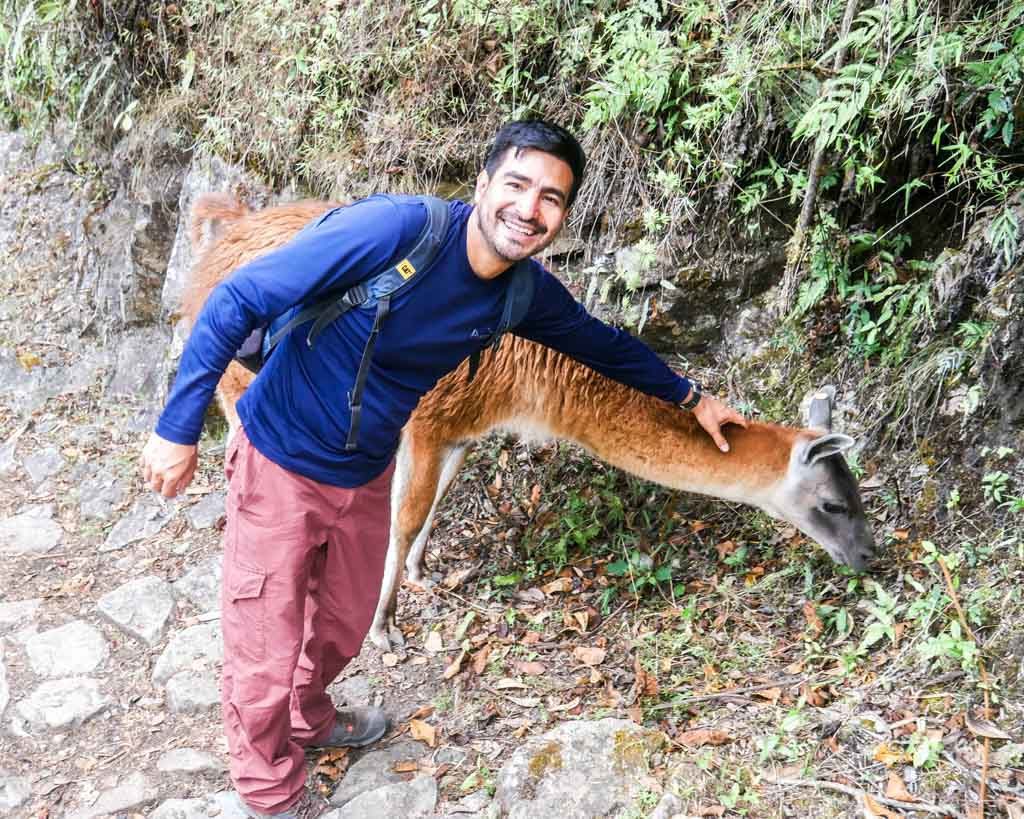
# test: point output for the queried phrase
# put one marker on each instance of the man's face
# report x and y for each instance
(521, 207)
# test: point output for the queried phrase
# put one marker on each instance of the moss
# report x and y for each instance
(630, 750)
(548, 758)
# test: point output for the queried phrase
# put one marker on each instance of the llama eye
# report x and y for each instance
(834, 508)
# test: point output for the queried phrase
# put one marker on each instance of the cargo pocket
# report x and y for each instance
(244, 614)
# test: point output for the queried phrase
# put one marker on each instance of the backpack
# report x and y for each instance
(377, 290)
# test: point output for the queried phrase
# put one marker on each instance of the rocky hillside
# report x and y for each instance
(593, 645)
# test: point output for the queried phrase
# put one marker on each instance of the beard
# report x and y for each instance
(505, 236)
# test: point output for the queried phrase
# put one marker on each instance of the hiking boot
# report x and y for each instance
(309, 806)
(356, 728)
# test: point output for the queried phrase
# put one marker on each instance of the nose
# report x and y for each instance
(528, 205)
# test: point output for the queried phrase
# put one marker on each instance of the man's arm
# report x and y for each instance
(557, 320)
(343, 248)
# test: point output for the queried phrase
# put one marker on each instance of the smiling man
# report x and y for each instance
(308, 514)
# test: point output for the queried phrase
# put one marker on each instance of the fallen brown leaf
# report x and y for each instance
(559, 585)
(423, 732)
(589, 655)
(434, 642)
(455, 666)
(646, 684)
(873, 809)
(770, 694)
(406, 766)
(984, 728)
(480, 659)
(889, 756)
(530, 668)
(711, 810)
(458, 577)
(699, 737)
(422, 712)
(812, 618)
(896, 788)
(526, 702)
(535, 494)
(815, 697)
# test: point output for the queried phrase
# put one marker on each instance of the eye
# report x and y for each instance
(834, 508)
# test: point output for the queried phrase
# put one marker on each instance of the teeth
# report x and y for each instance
(521, 231)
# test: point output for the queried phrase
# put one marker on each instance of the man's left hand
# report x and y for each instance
(711, 414)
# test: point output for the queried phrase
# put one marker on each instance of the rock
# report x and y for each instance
(473, 804)
(579, 770)
(99, 494)
(410, 800)
(190, 692)
(190, 760)
(14, 791)
(354, 690)
(5, 691)
(140, 608)
(197, 644)
(134, 791)
(668, 807)
(74, 648)
(375, 770)
(207, 512)
(146, 518)
(25, 392)
(201, 586)
(32, 531)
(17, 612)
(8, 459)
(206, 173)
(43, 464)
(181, 809)
(225, 805)
(133, 372)
(63, 703)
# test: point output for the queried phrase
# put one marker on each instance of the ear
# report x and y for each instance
(834, 443)
(481, 185)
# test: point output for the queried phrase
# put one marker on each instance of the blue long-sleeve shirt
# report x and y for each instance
(296, 411)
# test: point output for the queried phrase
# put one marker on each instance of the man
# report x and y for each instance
(307, 519)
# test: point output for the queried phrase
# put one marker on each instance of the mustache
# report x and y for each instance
(532, 224)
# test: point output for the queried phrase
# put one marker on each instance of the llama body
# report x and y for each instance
(796, 475)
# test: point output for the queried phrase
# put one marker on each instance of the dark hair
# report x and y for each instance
(540, 136)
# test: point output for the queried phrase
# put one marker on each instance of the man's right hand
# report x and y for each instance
(167, 467)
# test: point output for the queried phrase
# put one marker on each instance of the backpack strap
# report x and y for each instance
(396, 277)
(518, 298)
(355, 396)
(366, 293)
(381, 288)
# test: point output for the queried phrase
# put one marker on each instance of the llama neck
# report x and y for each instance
(649, 437)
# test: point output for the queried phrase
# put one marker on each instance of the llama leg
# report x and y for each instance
(414, 562)
(413, 487)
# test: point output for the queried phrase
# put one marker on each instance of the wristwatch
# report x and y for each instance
(694, 399)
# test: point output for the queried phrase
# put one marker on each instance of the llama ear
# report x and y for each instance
(834, 443)
(819, 413)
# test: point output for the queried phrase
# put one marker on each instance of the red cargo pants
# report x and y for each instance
(303, 563)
